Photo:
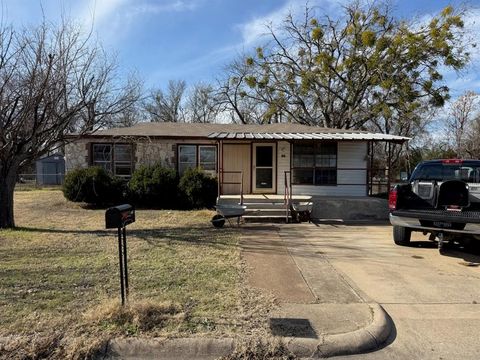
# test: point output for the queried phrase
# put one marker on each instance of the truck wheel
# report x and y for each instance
(401, 235)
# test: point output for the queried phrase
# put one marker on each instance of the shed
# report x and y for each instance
(50, 170)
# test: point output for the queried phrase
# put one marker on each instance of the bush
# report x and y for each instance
(199, 189)
(93, 185)
(154, 186)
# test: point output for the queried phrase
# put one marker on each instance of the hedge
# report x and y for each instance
(93, 185)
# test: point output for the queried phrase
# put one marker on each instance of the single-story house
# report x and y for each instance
(247, 159)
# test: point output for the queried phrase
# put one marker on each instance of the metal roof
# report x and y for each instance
(277, 131)
(308, 136)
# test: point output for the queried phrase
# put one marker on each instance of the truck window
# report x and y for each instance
(468, 172)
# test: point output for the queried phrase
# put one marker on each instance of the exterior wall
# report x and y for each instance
(283, 164)
(154, 152)
(351, 155)
(351, 162)
(146, 152)
(76, 154)
(163, 151)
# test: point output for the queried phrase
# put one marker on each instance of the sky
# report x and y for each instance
(193, 40)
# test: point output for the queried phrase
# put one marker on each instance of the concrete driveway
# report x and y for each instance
(433, 299)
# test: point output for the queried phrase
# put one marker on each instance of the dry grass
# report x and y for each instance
(260, 348)
(59, 278)
(140, 316)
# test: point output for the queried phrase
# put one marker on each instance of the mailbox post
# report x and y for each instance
(119, 217)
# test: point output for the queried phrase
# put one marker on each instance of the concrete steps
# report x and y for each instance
(263, 208)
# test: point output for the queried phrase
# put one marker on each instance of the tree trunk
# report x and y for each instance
(7, 185)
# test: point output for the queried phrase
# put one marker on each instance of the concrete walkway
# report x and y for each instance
(316, 303)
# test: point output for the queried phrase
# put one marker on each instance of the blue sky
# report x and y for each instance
(194, 39)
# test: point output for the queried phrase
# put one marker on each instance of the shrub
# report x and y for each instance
(154, 186)
(199, 189)
(93, 185)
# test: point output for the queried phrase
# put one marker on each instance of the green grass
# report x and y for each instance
(60, 264)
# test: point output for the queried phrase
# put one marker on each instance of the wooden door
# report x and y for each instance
(236, 157)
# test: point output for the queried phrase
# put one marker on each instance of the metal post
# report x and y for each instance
(241, 187)
(120, 258)
(389, 166)
(371, 168)
(125, 268)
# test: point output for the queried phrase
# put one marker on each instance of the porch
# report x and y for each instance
(275, 208)
(266, 207)
(270, 172)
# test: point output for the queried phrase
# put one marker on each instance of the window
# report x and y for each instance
(116, 158)
(102, 156)
(187, 157)
(314, 163)
(207, 158)
(201, 156)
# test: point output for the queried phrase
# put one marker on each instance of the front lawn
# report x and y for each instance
(59, 273)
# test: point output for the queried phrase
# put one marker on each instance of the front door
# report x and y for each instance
(264, 170)
(236, 165)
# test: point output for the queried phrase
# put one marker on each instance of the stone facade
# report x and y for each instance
(156, 152)
(145, 151)
(76, 155)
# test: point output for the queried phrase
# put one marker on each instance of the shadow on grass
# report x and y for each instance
(200, 235)
(193, 235)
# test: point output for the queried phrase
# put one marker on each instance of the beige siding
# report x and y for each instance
(283, 164)
(351, 155)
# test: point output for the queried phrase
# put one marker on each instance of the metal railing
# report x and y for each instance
(287, 193)
(221, 182)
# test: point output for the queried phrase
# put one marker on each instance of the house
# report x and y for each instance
(271, 159)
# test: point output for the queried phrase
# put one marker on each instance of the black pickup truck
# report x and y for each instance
(441, 198)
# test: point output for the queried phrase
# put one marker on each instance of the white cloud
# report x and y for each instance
(151, 9)
(112, 18)
(255, 30)
(97, 11)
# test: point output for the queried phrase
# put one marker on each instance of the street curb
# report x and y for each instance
(366, 339)
(359, 341)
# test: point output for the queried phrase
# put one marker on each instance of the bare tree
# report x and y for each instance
(202, 104)
(472, 139)
(459, 124)
(167, 106)
(232, 97)
(52, 79)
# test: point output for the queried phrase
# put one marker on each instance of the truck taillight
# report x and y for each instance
(452, 161)
(392, 199)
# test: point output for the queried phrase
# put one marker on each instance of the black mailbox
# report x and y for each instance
(119, 216)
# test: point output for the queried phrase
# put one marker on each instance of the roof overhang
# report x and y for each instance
(339, 136)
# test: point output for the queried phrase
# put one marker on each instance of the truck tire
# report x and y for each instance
(401, 235)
